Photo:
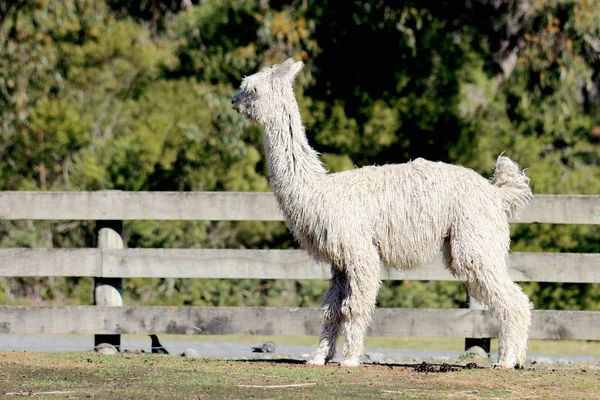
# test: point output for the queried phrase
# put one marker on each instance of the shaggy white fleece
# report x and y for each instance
(399, 215)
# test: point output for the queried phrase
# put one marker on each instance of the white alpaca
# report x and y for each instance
(399, 215)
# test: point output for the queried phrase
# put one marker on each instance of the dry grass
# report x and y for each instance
(129, 376)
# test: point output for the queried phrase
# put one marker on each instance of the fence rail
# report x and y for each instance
(262, 264)
(438, 322)
(110, 262)
(228, 206)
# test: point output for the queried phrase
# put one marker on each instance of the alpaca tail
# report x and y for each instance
(514, 185)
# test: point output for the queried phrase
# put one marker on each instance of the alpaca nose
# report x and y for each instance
(234, 101)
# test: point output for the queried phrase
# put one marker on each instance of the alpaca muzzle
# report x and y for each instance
(236, 102)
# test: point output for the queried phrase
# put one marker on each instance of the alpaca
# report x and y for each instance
(398, 215)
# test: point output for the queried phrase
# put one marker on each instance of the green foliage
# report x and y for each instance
(223, 40)
(427, 294)
(129, 95)
(224, 292)
(220, 40)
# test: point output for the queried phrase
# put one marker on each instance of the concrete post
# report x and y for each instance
(109, 291)
(484, 343)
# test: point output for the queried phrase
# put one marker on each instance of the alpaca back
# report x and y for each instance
(405, 210)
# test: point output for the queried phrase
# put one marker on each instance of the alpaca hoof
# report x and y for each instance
(316, 360)
(505, 366)
(506, 362)
(350, 362)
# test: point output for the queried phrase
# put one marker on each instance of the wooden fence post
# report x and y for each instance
(109, 291)
(484, 343)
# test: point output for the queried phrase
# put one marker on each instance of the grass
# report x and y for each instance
(131, 376)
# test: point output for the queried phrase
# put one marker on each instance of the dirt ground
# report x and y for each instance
(80, 375)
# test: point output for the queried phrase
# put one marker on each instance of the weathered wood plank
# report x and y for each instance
(117, 205)
(295, 264)
(522, 267)
(61, 205)
(562, 209)
(555, 267)
(213, 263)
(261, 264)
(584, 325)
(50, 262)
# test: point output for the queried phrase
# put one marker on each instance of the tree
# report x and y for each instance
(135, 96)
(467, 81)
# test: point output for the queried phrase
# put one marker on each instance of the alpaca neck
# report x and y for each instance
(291, 161)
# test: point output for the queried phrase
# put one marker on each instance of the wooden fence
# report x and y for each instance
(110, 262)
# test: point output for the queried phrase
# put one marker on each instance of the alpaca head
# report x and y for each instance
(268, 92)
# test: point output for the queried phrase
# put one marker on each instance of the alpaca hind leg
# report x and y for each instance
(478, 249)
(332, 318)
(358, 310)
(510, 306)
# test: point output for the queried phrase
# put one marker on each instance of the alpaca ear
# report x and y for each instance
(289, 69)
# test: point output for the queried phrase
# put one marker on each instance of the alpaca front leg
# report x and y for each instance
(355, 328)
(358, 312)
(332, 318)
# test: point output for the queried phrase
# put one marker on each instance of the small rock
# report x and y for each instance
(106, 349)
(476, 352)
(267, 347)
(134, 351)
(376, 357)
(542, 360)
(189, 353)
